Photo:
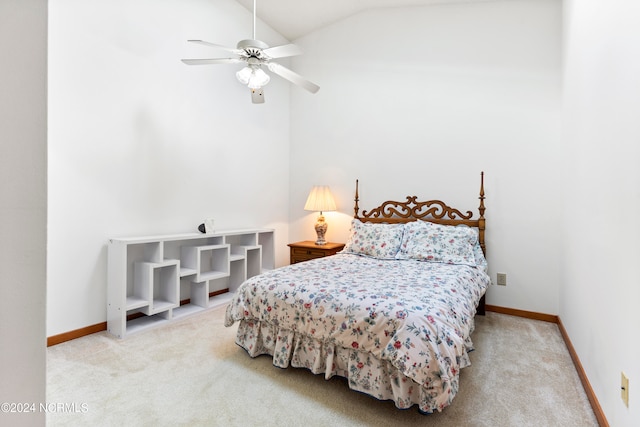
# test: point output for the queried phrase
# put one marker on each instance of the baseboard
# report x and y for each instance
(78, 333)
(523, 313)
(593, 400)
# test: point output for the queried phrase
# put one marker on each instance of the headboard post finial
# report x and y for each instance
(355, 207)
(481, 220)
(481, 208)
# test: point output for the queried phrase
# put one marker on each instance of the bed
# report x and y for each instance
(392, 313)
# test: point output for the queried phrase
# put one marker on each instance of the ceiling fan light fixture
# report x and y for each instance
(258, 79)
(253, 77)
(244, 75)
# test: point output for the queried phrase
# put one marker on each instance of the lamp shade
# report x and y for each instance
(320, 200)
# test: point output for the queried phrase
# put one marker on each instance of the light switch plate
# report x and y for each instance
(624, 389)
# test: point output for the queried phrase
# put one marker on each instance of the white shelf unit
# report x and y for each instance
(154, 280)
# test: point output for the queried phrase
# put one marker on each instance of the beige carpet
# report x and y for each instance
(192, 373)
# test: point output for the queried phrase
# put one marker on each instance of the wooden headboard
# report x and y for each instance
(431, 210)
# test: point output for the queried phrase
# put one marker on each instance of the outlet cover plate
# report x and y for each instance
(501, 279)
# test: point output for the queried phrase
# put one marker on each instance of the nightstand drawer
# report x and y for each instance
(297, 259)
(311, 253)
(307, 250)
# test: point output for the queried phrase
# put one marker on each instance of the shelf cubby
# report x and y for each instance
(218, 299)
(209, 262)
(173, 248)
(194, 297)
(266, 240)
(147, 322)
(241, 239)
(158, 279)
(238, 274)
(158, 284)
(186, 310)
(254, 261)
(149, 251)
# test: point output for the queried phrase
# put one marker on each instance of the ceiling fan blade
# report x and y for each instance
(293, 77)
(205, 43)
(282, 51)
(257, 96)
(211, 61)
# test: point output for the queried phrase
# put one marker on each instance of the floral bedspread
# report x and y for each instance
(397, 329)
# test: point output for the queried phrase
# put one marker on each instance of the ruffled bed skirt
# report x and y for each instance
(364, 372)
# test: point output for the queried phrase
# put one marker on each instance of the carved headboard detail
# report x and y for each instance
(432, 210)
(413, 209)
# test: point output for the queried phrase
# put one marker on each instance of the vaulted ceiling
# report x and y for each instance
(296, 18)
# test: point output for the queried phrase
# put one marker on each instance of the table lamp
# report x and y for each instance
(320, 200)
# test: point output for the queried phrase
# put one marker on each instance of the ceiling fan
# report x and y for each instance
(255, 54)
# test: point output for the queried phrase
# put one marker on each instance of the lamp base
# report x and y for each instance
(321, 230)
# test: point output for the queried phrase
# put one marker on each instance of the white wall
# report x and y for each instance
(601, 284)
(142, 144)
(23, 207)
(417, 101)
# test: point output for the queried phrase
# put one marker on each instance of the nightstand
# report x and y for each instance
(304, 251)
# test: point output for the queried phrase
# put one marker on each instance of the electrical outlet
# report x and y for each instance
(501, 279)
(624, 389)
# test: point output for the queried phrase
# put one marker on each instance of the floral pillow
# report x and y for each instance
(478, 254)
(431, 242)
(375, 240)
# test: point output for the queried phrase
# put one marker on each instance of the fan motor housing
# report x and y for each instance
(250, 43)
